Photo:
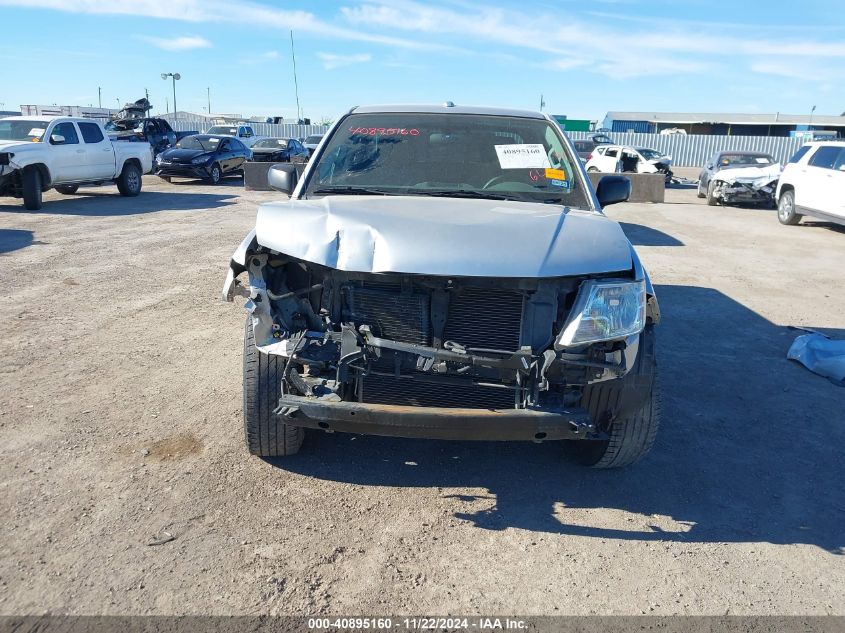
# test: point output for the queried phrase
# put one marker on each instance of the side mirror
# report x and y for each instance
(57, 139)
(613, 189)
(283, 177)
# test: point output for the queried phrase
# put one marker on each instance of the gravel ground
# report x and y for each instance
(126, 487)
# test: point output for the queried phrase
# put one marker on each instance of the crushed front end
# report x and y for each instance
(414, 355)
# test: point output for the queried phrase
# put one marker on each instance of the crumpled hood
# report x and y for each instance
(763, 175)
(442, 236)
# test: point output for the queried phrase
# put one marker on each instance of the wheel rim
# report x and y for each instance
(215, 174)
(785, 207)
(133, 180)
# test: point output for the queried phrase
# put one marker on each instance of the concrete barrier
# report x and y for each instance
(644, 187)
(255, 175)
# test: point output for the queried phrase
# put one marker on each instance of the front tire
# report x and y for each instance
(265, 435)
(701, 193)
(786, 209)
(215, 174)
(712, 200)
(629, 438)
(129, 181)
(31, 185)
(67, 190)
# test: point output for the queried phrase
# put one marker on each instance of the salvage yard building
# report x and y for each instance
(776, 124)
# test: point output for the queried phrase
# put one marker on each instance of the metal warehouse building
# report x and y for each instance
(722, 124)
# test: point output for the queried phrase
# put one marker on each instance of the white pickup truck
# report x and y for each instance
(39, 153)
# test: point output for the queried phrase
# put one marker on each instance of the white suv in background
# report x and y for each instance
(813, 183)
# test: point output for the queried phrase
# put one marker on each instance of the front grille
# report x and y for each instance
(400, 316)
(485, 317)
(417, 393)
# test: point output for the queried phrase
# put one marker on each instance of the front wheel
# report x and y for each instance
(31, 182)
(712, 200)
(129, 181)
(701, 193)
(632, 434)
(67, 190)
(265, 434)
(215, 175)
(786, 209)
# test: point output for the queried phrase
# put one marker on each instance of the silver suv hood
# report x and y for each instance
(443, 236)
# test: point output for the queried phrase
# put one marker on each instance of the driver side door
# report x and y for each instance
(67, 156)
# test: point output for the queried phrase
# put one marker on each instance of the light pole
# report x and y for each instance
(100, 96)
(810, 126)
(208, 92)
(176, 77)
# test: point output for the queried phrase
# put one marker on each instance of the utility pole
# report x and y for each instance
(542, 103)
(208, 92)
(295, 83)
(810, 126)
(100, 96)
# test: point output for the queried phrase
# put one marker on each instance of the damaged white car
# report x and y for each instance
(738, 177)
(446, 272)
(623, 158)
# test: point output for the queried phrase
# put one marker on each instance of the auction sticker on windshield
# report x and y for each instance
(522, 156)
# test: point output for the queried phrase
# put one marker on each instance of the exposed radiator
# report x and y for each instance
(487, 318)
(400, 316)
(417, 393)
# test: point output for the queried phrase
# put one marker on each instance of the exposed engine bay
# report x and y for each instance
(423, 340)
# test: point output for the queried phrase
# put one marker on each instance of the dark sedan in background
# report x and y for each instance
(279, 150)
(203, 156)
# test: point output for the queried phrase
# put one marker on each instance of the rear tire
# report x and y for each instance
(630, 438)
(67, 190)
(786, 209)
(129, 181)
(31, 185)
(265, 435)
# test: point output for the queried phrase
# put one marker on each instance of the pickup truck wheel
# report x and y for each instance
(214, 175)
(31, 181)
(67, 190)
(630, 438)
(129, 181)
(265, 435)
(786, 209)
(712, 200)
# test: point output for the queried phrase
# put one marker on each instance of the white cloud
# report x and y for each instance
(222, 11)
(271, 55)
(184, 43)
(332, 61)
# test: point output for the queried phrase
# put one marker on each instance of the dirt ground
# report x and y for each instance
(126, 487)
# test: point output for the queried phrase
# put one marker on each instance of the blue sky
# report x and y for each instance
(585, 57)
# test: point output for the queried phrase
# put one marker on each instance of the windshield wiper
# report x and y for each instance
(464, 193)
(353, 191)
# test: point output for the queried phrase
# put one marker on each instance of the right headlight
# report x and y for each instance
(604, 311)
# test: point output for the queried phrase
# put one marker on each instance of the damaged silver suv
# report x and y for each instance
(447, 272)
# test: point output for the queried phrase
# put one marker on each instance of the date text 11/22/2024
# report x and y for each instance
(417, 623)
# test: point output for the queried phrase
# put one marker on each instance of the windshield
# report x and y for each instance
(205, 143)
(223, 129)
(458, 155)
(271, 143)
(649, 154)
(22, 130)
(729, 160)
(313, 140)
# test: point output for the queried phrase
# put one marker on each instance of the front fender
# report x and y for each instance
(652, 307)
(237, 265)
